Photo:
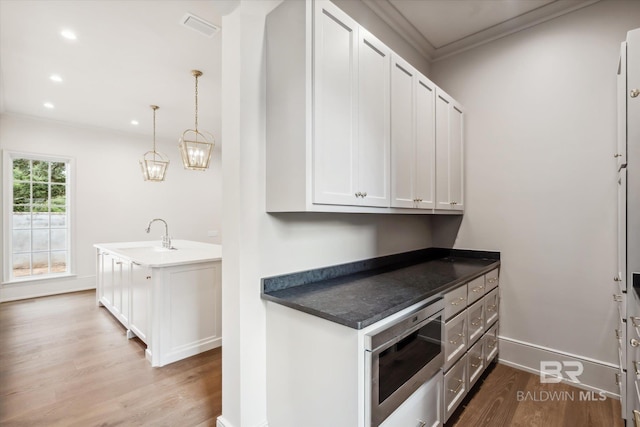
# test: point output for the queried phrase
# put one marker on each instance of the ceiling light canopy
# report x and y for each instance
(48, 105)
(154, 164)
(55, 78)
(196, 146)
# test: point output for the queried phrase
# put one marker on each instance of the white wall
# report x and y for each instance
(112, 202)
(540, 175)
(257, 244)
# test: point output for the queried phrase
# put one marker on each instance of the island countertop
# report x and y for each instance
(361, 293)
(152, 254)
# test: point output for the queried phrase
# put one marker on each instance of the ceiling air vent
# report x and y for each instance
(200, 25)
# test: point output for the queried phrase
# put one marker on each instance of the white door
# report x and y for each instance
(374, 60)
(403, 155)
(425, 143)
(335, 106)
(456, 170)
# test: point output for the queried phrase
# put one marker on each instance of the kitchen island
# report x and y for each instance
(169, 298)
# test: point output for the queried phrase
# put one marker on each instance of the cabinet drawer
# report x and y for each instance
(491, 344)
(475, 363)
(491, 279)
(475, 322)
(455, 339)
(475, 290)
(423, 407)
(621, 304)
(455, 301)
(491, 307)
(455, 387)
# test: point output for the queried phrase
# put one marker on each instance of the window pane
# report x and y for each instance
(40, 193)
(40, 263)
(58, 194)
(58, 172)
(59, 262)
(21, 265)
(40, 220)
(21, 170)
(40, 171)
(21, 241)
(41, 240)
(21, 220)
(58, 239)
(58, 220)
(21, 193)
(22, 208)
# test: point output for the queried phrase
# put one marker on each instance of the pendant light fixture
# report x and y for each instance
(196, 146)
(154, 164)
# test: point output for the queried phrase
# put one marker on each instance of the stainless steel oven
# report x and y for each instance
(402, 356)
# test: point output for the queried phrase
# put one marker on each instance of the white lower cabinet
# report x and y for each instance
(455, 339)
(422, 408)
(140, 280)
(455, 386)
(470, 339)
(475, 363)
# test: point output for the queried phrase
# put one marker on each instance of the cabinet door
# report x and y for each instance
(621, 146)
(422, 408)
(374, 60)
(449, 153)
(140, 301)
(425, 143)
(106, 274)
(620, 277)
(403, 155)
(335, 106)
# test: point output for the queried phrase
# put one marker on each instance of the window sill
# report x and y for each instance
(42, 278)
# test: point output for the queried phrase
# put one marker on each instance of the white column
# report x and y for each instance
(243, 138)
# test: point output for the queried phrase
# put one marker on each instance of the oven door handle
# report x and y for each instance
(405, 334)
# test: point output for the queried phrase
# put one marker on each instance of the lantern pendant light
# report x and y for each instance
(195, 146)
(154, 164)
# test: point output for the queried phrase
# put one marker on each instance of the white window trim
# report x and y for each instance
(7, 220)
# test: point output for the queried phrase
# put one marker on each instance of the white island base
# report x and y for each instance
(169, 299)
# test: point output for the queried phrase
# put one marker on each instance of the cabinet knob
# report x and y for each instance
(358, 194)
(617, 279)
(148, 277)
(634, 342)
(364, 194)
(615, 156)
(634, 93)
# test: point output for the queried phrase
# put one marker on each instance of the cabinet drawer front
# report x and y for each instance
(475, 290)
(491, 307)
(455, 339)
(455, 301)
(423, 406)
(475, 321)
(475, 363)
(455, 387)
(491, 344)
(491, 279)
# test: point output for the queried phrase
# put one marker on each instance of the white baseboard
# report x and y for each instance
(45, 287)
(223, 422)
(598, 376)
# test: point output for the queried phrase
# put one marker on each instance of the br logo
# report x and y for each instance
(551, 371)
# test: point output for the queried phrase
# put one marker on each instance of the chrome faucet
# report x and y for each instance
(166, 240)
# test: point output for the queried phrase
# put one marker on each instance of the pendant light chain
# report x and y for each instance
(197, 75)
(155, 107)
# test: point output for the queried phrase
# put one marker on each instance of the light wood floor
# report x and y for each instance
(66, 362)
(496, 402)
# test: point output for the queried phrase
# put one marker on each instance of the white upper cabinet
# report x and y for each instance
(335, 142)
(412, 137)
(332, 122)
(351, 112)
(449, 153)
(373, 120)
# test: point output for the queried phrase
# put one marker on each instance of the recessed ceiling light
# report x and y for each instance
(55, 78)
(134, 122)
(48, 105)
(68, 34)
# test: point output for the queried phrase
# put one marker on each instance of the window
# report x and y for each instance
(37, 233)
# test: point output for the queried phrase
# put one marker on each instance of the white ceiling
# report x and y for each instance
(130, 54)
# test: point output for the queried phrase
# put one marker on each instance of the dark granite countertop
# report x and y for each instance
(361, 293)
